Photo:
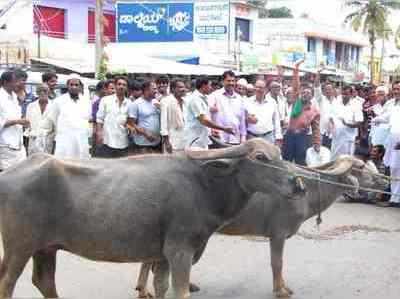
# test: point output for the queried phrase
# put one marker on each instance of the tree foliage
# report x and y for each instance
(371, 16)
(280, 12)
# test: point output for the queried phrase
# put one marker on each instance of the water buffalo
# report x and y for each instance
(267, 215)
(143, 209)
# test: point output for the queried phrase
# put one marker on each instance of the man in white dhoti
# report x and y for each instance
(392, 155)
(11, 124)
(346, 117)
(69, 116)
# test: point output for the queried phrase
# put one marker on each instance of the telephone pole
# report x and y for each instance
(99, 32)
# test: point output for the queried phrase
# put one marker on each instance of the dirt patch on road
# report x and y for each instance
(332, 233)
(339, 231)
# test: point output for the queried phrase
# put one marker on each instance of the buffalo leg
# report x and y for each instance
(280, 288)
(141, 285)
(161, 279)
(44, 269)
(10, 270)
(180, 262)
(145, 268)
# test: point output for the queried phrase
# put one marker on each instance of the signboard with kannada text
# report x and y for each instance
(155, 22)
(211, 19)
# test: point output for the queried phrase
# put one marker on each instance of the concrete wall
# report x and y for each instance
(76, 16)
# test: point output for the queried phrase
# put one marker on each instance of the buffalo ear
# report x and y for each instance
(220, 167)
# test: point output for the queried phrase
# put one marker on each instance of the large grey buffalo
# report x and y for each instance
(268, 215)
(143, 209)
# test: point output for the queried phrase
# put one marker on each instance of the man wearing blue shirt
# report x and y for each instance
(144, 120)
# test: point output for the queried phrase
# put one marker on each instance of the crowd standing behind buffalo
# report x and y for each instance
(312, 122)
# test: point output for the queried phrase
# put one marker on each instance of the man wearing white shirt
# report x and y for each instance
(197, 117)
(379, 132)
(172, 118)
(11, 124)
(392, 154)
(35, 113)
(263, 116)
(315, 159)
(111, 121)
(346, 117)
(69, 117)
(325, 103)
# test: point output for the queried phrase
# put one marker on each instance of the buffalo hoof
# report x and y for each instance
(285, 292)
(193, 288)
(144, 294)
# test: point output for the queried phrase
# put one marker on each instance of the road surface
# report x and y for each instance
(355, 254)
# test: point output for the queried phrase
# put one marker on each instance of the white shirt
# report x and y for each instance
(282, 105)
(173, 122)
(268, 117)
(326, 109)
(35, 117)
(114, 116)
(196, 134)
(10, 137)
(314, 159)
(68, 116)
(379, 132)
(392, 155)
(351, 113)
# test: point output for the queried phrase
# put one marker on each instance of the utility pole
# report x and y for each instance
(382, 58)
(99, 31)
(38, 39)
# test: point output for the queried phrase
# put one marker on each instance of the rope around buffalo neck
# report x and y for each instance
(319, 180)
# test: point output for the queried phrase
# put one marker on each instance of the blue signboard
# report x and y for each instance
(155, 22)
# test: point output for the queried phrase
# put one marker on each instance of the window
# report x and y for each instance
(242, 27)
(311, 44)
(339, 50)
(347, 55)
(357, 55)
(49, 21)
(326, 47)
(109, 26)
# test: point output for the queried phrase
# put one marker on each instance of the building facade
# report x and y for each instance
(220, 30)
(334, 47)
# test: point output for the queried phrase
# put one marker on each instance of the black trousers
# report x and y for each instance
(326, 141)
(104, 151)
(295, 147)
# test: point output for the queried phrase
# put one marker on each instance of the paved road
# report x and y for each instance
(356, 254)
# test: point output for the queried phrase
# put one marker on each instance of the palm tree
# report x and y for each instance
(371, 16)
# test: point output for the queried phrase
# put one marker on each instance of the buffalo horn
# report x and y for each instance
(226, 153)
(343, 167)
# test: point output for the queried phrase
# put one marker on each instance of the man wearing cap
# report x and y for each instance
(241, 87)
(69, 116)
(251, 91)
(275, 95)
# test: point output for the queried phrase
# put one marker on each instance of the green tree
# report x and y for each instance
(280, 12)
(371, 16)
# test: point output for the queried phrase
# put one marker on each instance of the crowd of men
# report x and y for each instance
(311, 122)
